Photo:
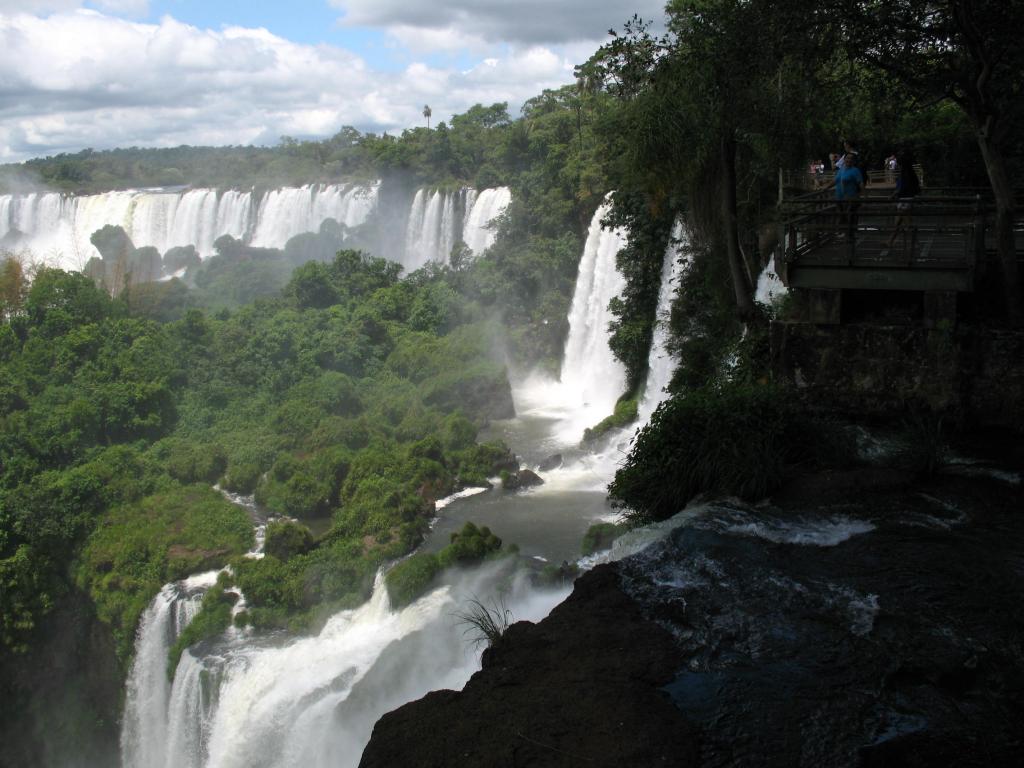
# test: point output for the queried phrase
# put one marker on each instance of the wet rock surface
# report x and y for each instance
(883, 630)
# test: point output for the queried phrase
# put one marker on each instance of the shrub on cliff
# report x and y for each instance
(624, 415)
(415, 575)
(728, 438)
(411, 578)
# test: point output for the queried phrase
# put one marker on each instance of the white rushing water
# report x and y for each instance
(660, 365)
(438, 219)
(144, 733)
(482, 210)
(770, 288)
(55, 228)
(264, 701)
(591, 379)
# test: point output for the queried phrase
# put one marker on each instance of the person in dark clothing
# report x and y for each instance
(908, 186)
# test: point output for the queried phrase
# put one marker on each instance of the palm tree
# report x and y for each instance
(427, 112)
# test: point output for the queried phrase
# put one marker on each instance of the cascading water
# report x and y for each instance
(481, 210)
(250, 700)
(56, 228)
(284, 213)
(144, 733)
(660, 364)
(770, 287)
(590, 371)
(591, 378)
(438, 219)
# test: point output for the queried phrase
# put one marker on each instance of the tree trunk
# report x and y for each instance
(1006, 248)
(737, 268)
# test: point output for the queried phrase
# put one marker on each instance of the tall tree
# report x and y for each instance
(704, 92)
(967, 51)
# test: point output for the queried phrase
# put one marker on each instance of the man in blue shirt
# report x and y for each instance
(849, 181)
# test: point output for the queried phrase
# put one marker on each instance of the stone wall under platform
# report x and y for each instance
(878, 370)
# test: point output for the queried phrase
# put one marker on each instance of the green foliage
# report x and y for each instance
(284, 539)
(468, 546)
(640, 264)
(925, 448)
(733, 439)
(485, 624)
(411, 578)
(136, 548)
(600, 536)
(624, 415)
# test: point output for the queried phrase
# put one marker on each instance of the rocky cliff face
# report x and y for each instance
(860, 620)
(873, 370)
(60, 701)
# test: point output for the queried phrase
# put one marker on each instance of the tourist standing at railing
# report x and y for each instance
(849, 182)
(908, 186)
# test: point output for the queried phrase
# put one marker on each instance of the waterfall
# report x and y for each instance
(144, 741)
(481, 210)
(660, 364)
(268, 701)
(56, 228)
(770, 287)
(437, 220)
(590, 371)
(284, 213)
(423, 236)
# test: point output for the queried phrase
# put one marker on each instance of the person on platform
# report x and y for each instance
(849, 182)
(908, 186)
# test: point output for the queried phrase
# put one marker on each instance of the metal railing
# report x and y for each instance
(808, 180)
(934, 233)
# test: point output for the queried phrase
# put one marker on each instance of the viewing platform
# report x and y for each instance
(944, 243)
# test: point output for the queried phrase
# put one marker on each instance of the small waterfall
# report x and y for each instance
(481, 210)
(770, 287)
(591, 378)
(284, 213)
(144, 733)
(423, 236)
(56, 228)
(660, 364)
(438, 219)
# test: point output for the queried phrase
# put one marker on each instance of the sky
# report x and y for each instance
(152, 73)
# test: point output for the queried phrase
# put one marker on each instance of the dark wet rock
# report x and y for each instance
(882, 630)
(181, 257)
(528, 478)
(524, 478)
(113, 244)
(554, 461)
(59, 701)
(508, 463)
(552, 694)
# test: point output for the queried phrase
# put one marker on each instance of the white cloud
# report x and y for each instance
(85, 79)
(524, 21)
(38, 7)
